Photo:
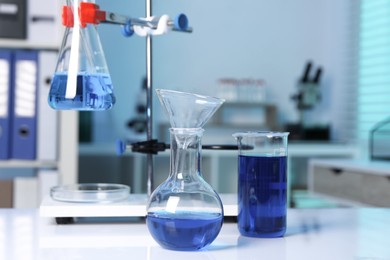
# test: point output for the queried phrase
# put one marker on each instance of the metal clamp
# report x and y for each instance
(91, 13)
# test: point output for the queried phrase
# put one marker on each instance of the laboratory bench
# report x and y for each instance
(219, 167)
(331, 233)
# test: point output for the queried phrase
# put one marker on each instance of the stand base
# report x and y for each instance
(134, 206)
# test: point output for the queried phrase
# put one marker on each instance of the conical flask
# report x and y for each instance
(81, 80)
(185, 213)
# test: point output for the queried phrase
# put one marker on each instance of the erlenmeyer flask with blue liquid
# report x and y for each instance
(82, 80)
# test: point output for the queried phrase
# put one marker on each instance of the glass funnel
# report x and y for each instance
(184, 212)
(81, 80)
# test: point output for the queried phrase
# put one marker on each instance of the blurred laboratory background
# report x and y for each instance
(317, 69)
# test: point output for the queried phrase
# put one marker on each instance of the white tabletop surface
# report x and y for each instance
(348, 233)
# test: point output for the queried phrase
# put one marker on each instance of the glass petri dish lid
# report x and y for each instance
(90, 192)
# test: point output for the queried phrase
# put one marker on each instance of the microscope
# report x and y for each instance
(307, 97)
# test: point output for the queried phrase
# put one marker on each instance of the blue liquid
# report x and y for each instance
(184, 231)
(94, 92)
(262, 196)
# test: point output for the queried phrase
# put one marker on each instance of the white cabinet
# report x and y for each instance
(43, 33)
(351, 181)
(41, 22)
(63, 153)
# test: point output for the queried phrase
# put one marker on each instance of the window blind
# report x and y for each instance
(373, 99)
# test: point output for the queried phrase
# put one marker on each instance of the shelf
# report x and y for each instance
(25, 44)
(28, 164)
(247, 114)
(58, 163)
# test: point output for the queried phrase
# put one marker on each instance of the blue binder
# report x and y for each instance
(24, 105)
(5, 103)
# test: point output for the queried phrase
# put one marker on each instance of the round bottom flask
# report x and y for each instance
(184, 212)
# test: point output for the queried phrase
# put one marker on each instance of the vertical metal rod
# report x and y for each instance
(149, 101)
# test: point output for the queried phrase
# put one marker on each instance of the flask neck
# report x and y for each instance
(185, 153)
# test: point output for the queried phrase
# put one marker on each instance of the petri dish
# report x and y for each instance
(90, 192)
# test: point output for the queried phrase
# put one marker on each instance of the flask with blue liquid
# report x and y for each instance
(81, 80)
(184, 213)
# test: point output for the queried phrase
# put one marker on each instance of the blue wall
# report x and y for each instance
(271, 40)
(126, 61)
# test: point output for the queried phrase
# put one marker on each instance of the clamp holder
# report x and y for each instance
(91, 13)
(154, 147)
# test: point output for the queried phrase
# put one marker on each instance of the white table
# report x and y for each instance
(347, 233)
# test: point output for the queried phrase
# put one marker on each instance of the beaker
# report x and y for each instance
(262, 183)
(184, 212)
(81, 80)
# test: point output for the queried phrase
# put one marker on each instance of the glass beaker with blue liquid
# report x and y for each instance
(82, 80)
(262, 183)
(184, 212)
